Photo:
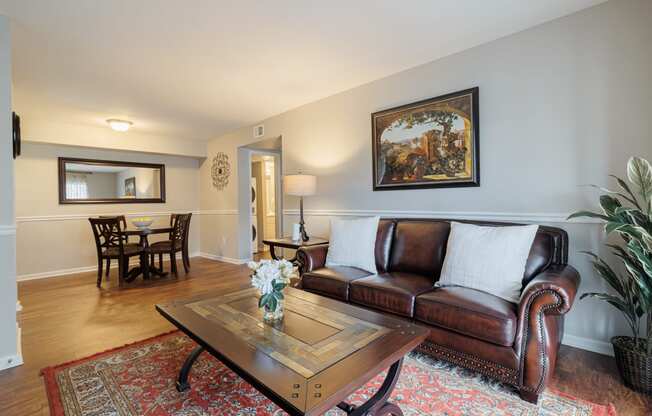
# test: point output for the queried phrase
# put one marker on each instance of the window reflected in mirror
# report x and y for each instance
(95, 181)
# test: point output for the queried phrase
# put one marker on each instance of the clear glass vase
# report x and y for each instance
(271, 316)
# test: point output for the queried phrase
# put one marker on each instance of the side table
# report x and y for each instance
(288, 242)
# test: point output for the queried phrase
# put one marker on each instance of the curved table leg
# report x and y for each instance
(131, 275)
(389, 409)
(182, 381)
(378, 405)
(144, 256)
(272, 252)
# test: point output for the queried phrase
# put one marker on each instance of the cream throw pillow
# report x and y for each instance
(353, 243)
(491, 259)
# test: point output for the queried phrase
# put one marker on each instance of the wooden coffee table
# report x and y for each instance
(310, 362)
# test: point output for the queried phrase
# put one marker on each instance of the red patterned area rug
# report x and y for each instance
(139, 379)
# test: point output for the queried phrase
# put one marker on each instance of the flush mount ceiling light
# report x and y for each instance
(119, 125)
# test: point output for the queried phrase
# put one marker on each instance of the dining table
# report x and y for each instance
(145, 268)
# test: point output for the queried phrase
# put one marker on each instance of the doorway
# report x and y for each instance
(260, 201)
(263, 201)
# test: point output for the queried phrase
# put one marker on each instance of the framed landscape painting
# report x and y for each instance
(428, 144)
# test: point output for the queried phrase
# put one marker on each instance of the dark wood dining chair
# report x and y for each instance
(123, 224)
(180, 226)
(110, 244)
(185, 253)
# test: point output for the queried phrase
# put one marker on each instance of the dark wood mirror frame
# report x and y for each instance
(62, 182)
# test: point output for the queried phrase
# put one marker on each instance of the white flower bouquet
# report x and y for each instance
(271, 277)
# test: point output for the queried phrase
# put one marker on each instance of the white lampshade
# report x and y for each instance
(299, 185)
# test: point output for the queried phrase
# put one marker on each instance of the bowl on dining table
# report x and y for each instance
(142, 223)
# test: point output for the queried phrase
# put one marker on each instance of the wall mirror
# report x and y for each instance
(84, 181)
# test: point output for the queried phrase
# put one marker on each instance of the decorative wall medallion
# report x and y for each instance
(220, 171)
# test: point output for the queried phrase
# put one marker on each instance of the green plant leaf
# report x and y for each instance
(264, 300)
(613, 300)
(639, 311)
(278, 286)
(643, 257)
(639, 172)
(279, 295)
(609, 204)
(623, 185)
(607, 273)
(633, 266)
(644, 290)
(633, 216)
(628, 230)
(272, 303)
(646, 239)
(589, 214)
(610, 191)
(621, 252)
(612, 226)
(627, 309)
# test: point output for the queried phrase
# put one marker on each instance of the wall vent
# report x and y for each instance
(259, 131)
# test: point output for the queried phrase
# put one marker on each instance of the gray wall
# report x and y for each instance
(561, 105)
(102, 185)
(147, 182)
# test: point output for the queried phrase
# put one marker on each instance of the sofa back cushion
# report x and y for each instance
(384, 243)
(486, 258)
(419, 247)
(549, 246)
(353, 243)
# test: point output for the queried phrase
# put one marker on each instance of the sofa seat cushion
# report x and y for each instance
(469, 312)
(332, 281)
(391, 292)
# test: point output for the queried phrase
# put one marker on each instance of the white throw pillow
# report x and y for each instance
(353, 243)
(491, 259)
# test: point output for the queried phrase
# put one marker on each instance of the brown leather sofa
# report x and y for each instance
(514, 343)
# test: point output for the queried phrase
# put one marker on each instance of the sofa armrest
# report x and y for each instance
(543, 303)
(312, 257)
(558, 285)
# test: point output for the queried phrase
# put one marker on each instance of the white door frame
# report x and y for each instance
(244, 196)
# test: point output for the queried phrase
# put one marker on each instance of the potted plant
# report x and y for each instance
(628, 213)
(271, 277)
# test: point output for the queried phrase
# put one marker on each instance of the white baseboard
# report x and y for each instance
(11, 361)
(601, 347)
(55, 273)
(85, 269)
(224, 259)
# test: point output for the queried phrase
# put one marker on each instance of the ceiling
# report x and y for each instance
(196, 69)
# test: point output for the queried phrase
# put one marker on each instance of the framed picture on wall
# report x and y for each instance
(130, 187)
(428, 144)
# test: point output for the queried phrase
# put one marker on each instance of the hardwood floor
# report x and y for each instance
(67, 318)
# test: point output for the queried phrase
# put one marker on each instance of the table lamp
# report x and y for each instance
(300, 185)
